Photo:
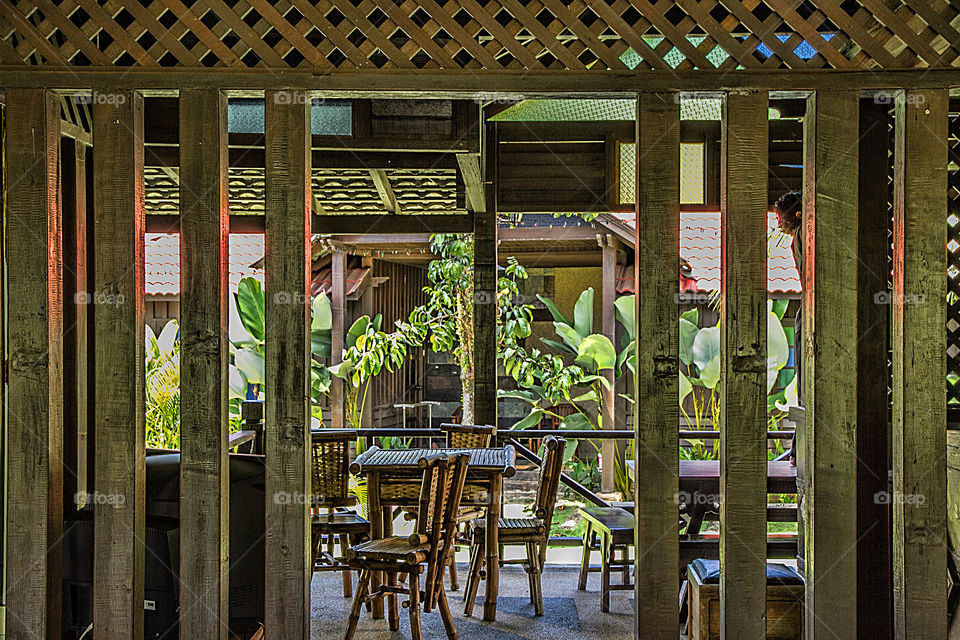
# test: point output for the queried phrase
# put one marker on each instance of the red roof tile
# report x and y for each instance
(700, 246)
(163, 261)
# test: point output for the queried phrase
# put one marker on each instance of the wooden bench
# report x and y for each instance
(614, 527)
(784, 602)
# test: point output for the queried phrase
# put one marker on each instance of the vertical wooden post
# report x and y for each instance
(608, 325)
(366, 308)
(34, 397)
(119, 271)
(338, 301)
(657, 411)
(829, 376)
(743, 361)
(485, 290)
(287, 411)
(73, 178)
(919, 365)
(874, 559)
(204, 470)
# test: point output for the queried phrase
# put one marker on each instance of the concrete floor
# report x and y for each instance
(568, 613)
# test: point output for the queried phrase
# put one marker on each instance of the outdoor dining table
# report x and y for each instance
(699, 480)
(393, 479)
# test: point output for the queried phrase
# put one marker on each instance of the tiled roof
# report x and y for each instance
(700, 246)
(163, 261)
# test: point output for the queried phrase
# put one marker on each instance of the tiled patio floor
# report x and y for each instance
(568, 613)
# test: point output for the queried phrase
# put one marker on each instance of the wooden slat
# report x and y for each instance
(608, 327)
(338, 303)
(485, 291)
(287, 418)
(919, 365)
(119, 345)
(34, 396)
(874, 560)
(204, 470)
(830, 360)
(743, 357)
(657, 413)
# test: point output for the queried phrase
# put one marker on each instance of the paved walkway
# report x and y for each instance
(568, 613)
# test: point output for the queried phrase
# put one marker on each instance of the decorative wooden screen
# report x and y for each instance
(477, 34)
(953, 259)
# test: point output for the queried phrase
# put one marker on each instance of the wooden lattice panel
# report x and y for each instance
(481, 34)
(953, 262)
(340, 191)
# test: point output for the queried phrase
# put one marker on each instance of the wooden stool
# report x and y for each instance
(784, 601)
(614, 526)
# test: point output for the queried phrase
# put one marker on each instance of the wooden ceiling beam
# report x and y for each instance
(352, 226)
(467, 83)
(252, 158)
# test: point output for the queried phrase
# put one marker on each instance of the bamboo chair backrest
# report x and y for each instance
(550, 470)
(330, 465)
(466, 436)
(443, 479)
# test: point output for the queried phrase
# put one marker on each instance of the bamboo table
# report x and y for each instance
(393, 479)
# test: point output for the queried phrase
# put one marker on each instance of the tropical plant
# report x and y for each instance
(247, 339)
(163, 387)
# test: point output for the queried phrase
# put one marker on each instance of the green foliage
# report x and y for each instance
(163, 387)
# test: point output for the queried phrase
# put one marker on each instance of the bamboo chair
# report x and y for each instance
(532, 533)
(465, 436)
(330, 463)
(424, 552)
(462, 436)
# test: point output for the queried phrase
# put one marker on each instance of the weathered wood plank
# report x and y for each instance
(919, 365)
(829, 361)
(608, 327)
(34, 397)
(204, 470)
(743, 356)
(119, 354)
(874, 560)
(338, 303)
(485, 290)
(339, 224)
(657, 412)
(287, 417)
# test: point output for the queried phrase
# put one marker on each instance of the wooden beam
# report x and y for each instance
(743, 361)
(73, 180)
(485, 292)
(387, 196)
(119, 343)
(919, 365)
(874, 559)
(338, 302)
(390, 225)
(34, 395)
(467, 84)
(473, 183)
(656, 410)
(608, 327)
(250, 156)
(204, 467)
(287, 415)
(829, 376)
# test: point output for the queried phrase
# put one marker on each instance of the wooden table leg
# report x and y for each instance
(376, 533)
(493, 550)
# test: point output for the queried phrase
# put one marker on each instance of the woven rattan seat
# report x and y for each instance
(392, 549)
(511, 526)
